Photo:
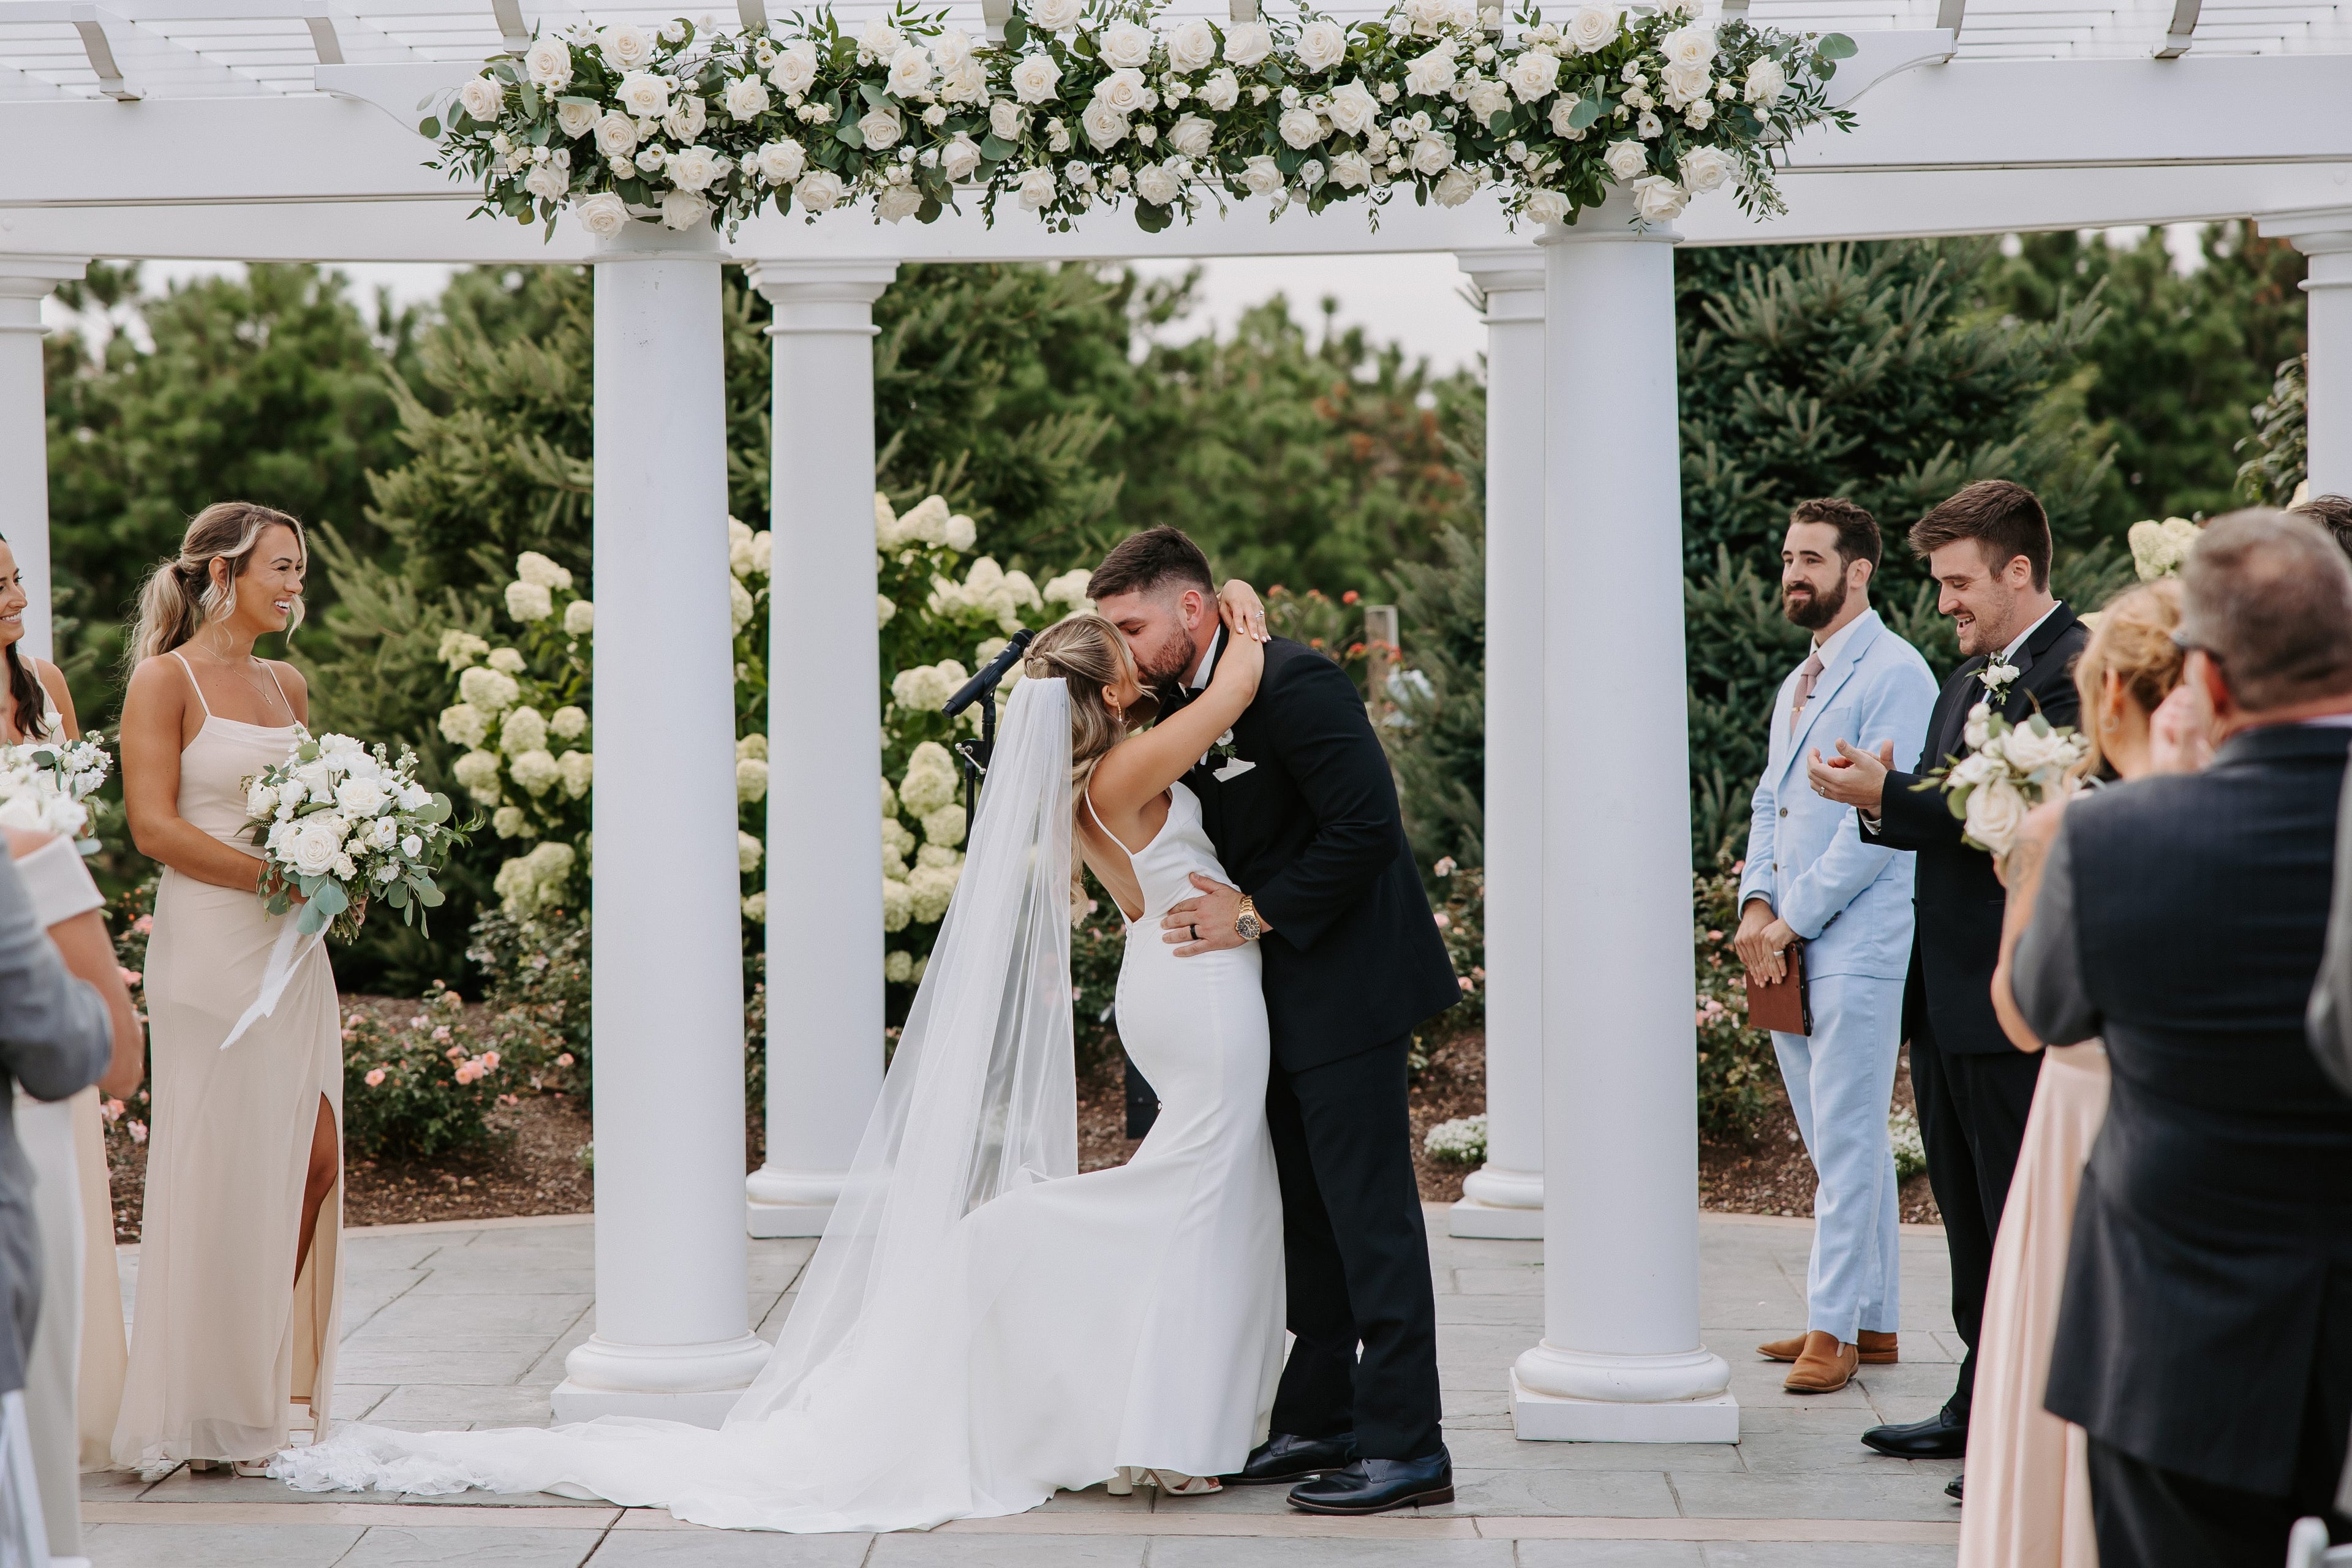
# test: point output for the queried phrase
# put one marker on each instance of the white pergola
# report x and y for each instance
(281, 129)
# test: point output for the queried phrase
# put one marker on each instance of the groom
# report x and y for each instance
(1303, 813)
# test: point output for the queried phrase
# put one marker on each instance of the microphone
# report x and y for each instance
(992, 672)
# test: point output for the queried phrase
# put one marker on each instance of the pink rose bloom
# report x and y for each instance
(143, 924)
(139, 1132)
(442, 1032)
(490, 1061)
(564, 1059)
(419, 1021)
(111, 1109)
(1441, 921)
(376, 1077)
(130, 976)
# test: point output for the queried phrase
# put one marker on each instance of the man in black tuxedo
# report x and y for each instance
(2204, 1337)
(1989, 550)
(1300, 804)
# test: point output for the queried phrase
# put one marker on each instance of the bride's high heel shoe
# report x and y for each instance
(1174, 1483)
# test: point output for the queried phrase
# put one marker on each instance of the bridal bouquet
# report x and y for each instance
(45, 783)
(2009, 771)
(341, 823)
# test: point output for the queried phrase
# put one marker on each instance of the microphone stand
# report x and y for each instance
(975, 752)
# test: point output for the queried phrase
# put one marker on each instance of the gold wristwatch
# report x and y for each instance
(1246, 925)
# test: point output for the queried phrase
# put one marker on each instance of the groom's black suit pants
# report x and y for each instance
(1357, 1255)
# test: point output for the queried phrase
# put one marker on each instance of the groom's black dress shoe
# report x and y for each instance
(1943, 1436)
(1376, 1486)
(1285, 1458)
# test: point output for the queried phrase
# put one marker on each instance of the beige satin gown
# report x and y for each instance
(219, 1347)
(2029, 1481)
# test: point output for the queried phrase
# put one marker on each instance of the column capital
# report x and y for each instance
(27, 281)
(827, 281)
(1614, 222)
(1506, 270)
(2323, 235)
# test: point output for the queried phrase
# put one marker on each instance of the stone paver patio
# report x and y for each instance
(467, 1324)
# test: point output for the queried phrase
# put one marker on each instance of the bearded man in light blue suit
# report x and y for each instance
(1809, 875)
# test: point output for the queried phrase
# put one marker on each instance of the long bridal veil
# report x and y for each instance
(860, 1419)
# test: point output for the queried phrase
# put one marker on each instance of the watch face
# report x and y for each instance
(1247, 927)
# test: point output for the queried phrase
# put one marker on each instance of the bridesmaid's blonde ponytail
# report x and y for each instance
(180, 596)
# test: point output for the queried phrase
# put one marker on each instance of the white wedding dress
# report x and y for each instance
(980, 1325)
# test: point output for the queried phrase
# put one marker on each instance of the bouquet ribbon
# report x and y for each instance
(283, 961)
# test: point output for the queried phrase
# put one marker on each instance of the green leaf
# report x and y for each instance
(1151, 219)
(1016, 31)
(1586, 112)
(1498, 124)
(1834, 46)
(430, 127)
(848, 134)
(996, 148)
(873, 95)
(527, 96)
(928, 212)
(329, 896)
(436, 810)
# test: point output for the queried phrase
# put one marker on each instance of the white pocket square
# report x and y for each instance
(1234, 768)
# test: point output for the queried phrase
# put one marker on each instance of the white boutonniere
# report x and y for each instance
(1224, 746)
(1235, 766)
(1997, 676)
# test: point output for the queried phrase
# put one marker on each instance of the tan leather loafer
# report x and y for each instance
(1825, 1367)
(1876, 1349)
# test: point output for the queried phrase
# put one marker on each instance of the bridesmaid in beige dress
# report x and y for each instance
(240, 1269)
(2029, 1491)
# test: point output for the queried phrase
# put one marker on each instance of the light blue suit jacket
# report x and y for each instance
(1848, 896)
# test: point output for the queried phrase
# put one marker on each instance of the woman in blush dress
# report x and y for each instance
(2029, 1491)
(240, 1263)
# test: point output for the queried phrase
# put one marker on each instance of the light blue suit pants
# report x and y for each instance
(1841, 1081)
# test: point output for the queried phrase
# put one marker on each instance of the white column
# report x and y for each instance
(824, 743)
(2324, 237)
(672, 1339)
(1504, 1197)
(24, 282)
(1621, 1358)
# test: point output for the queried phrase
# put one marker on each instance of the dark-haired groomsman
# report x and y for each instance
(1988, 548)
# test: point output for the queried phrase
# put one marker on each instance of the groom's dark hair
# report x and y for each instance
(1142, 561)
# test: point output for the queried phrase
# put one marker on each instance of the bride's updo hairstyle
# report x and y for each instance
(1087, 652)
(180, 596)
(2132, 640)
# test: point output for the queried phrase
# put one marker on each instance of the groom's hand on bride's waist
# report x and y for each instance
(1206, 922)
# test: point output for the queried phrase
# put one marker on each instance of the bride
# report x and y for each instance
(980, 1325)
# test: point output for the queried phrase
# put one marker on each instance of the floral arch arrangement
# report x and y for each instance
(1083, 105)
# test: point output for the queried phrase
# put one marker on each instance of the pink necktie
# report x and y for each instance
(1807, 674)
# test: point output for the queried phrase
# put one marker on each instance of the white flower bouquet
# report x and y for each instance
(341, 823)
(2160, 548)
(2009, 771)
(1087, 102)
(46, 785)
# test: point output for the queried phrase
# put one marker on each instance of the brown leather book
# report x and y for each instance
(1782, 1005)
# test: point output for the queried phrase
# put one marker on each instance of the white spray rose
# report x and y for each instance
(481, 97)
(1246, 43)
(1979, 726)
(1301, 128)
(819, 189)
(1105, 127)
(2030, 750)
(1547, 206)
(1192, 46)
(261, 800)
(1035, 79)
(624, 47)
(682, 210)
(362, 797)
(747, 98)
(548, 63)
(1260, 176)
(1626, 160)
(1221, 91)
(1433, 73)
(1699, 115)
(1124, 44)
(796, 68)
(575, 120)
(1658, 199)
(1321, 45)
(1766, 80)
(617, 135)
(1705, 169)
(1562, 109)
(1036, 190)
(1592, 28)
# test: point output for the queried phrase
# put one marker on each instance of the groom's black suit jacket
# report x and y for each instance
(1353, 959)
(1958, 898)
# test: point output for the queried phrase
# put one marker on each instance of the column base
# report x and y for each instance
(695, 1384)
(1553, 1419)
(783, 1202)
(1499, 1205)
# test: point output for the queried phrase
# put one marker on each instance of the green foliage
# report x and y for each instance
(1462, 915)
(1098, 948)
(421, 1088)
(1736, 1063)
(2280, 448)
(2177, 360)
(538, 966)
(1436, 735)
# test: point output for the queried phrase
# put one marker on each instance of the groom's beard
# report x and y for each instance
(1814, 609)
(1163, 668)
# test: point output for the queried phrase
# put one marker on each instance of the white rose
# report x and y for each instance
(412, 847)
(1649, 127)
(548, 63)
(1487, 100)
(1036, 190)
(1432, 155)
(1221, 91)
(1056, 15)
(820, 190)
(1533, 74)
(617, 135)
(1547, 206)
(682, 210)
(881, 128)
(547, 182)
(1766, 80)
(694, 168)
(1562, 109)
(575, 120)
(1658, 199)
(1302, 128)
(481, 97)
(1261, 177)
(643, 95)
(1106, 127)
(958, 158)
(1454, 187)
(1593, 27)
(1246, 43)
(747, 98)
(1192, 46)
(1352, 171)
(795, 68)
(1685, 83)
(1430, 18)
(1158, 185)
(1353, 108)
(1035, 77)
(880, 39)
(910, 71)
(362, 797)
(685, 118)
(1996, 811)
(782, 163)
(1122, 90)
(314, 844)
(1433, 74)
(1004, 119)
(1321, 45)
(894, 204)
(1699, 115)
(1124, 44)
(1192, 136)
(951, 50)
(624, 47)
(1705, 168)
(1626, 160)
(1979, 726)
(261, 799)
(2030, 750)
(1692, 45)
